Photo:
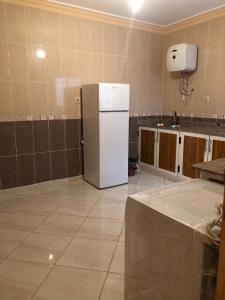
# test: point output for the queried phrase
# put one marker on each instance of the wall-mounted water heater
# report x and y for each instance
(182, 57)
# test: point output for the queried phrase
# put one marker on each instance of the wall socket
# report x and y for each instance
(206, 98)
(77, 100)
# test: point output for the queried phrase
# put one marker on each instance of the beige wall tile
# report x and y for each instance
(2, 22)
(83, 35)
(122, 41)
(110, 39)
(156, 46)
(215, 34)
(51, 33)
(168, 40)
(6, 110)
(55, 98)
(178, 37)
(190, 35)
(110, 68)
(83, 67)
(144, 45)
(144, 72)
(21, 101)
(38, 99)
(201, 73)
(213, 67)
(53, 64)
(68, 32)
(97, 37)
(134, 99)
(35, 25)
(70, 107)
(144, 103)
(155, 104)
(133, 39)
(16, 23)
(18, 61)
(97, 68)
(4, 61)
(68, 60)
(202, 32)
(122, 70)
(133, 71)
(156, 73)
(36, 65)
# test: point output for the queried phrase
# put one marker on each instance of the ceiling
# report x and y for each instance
(160, 12)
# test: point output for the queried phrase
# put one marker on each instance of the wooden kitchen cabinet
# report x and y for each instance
(216, 147)
(168, 143)
(193, 149)
(147, 146)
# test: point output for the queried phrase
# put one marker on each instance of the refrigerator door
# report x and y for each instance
(113, 97)
(113, 148)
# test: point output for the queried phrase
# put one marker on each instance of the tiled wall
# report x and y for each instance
(37, 151)
(77, 51)
(208, 80)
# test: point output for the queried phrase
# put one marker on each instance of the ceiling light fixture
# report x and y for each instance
(136, 5)
(41, 53)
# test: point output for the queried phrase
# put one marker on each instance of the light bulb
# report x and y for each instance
(136, 5)
(40, 53)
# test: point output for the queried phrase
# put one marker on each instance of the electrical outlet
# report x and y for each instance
(206, 98)
(77, 100)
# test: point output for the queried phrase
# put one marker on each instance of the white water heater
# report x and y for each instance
(182, 58)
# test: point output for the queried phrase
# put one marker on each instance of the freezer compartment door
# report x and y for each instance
(113, 97)
(113, 160)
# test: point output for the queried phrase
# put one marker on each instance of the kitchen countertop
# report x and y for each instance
(216, 166)
(167, 244)
(206, 129)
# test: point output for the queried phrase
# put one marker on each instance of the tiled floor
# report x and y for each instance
(65, 239)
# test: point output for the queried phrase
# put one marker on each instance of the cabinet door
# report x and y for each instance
(167, 151)
(194, 149)
(148, 147)
(218, 149)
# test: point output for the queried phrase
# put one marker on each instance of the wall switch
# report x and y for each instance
(77, 100)
(206, 98)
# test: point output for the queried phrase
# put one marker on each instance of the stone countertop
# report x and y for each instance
(216, 166)
(192, 202)
(192, 128)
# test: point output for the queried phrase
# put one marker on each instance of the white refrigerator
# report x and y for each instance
(105, 114)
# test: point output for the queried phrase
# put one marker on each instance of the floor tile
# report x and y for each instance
(117, 265)
(108, 210)
(88, 254)
(113, 287)
(99, 228)
(61, 224)
(42, 207)
(81, 208)
(71, 284)
(13, 204)
(41, 248)
(122, 235)
(9, 240)
(21, 221)
(20, 280)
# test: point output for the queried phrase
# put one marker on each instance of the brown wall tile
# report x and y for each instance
(7, 139)
(58, 160)
(43, 166)
(8, 172)
(41, 136)
(73, 162)
(57, 134)
(26, 168)
(24, 137)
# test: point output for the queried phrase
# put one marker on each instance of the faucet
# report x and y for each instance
(175, 120)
